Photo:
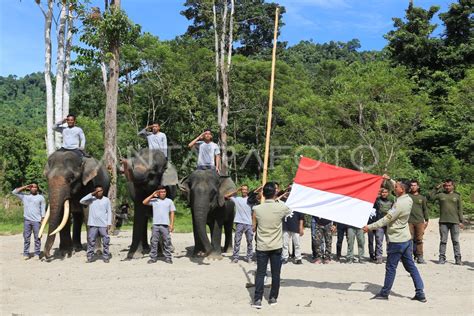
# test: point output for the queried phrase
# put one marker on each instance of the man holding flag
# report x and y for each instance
(400, 246)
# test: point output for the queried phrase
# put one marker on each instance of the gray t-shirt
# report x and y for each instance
(33, 205)
(73, 137)
(161, 211)
(243, 212)
(100, 211)
(156, 141)
(206, 153)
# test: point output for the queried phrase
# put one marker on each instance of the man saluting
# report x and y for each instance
(33, 213)
(155, 138)
(99, 221)
(209, 154)
(73, 136)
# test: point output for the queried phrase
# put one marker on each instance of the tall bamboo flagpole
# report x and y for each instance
(270, 101)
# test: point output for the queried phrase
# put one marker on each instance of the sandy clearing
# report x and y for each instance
(190, 286)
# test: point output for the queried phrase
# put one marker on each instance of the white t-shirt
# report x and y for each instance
(243, 212)
(206, 153)
(161, 210)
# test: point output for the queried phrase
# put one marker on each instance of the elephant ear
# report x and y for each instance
(90, 168)
(170, 176)
(185, 188)
(226, 186)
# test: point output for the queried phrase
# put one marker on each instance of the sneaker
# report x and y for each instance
(272, 301)
(284, 261)
(326, 261)
(349, 261)
(151, 261)
(249, 260)
(106, 260)
(257, 304)
(298, 261)
(26, 257)
(317, 261)
(441, 261)
(169, 261)
(380, 297)
(379, 261)
(458, 262)
(235, 261)
(420, 260)
(89, 260)
(421, 299)
(338, 258)
(37, 258)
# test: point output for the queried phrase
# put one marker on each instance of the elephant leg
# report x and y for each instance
(228, 236)
(145, 244)
(65, 241)
(198, 247)
(78, 219)
(216, 237)
(139, 235)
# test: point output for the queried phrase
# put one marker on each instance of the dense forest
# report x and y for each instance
(406, 110)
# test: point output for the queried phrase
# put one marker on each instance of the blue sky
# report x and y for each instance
(21, 24)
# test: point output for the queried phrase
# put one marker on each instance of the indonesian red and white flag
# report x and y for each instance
(334, 193)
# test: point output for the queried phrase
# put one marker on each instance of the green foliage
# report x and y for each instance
(408, 107)
(253, 24)
(102, 32)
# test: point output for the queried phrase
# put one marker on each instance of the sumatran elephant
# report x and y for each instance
(145, 171)
(205, 191)
(70, 177)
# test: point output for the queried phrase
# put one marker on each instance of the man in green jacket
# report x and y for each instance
(418, 220)
(400, 246)
(450, 219)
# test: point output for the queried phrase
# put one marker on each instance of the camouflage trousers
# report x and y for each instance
(323, 235)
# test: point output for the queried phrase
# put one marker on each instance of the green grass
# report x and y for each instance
(11, 219)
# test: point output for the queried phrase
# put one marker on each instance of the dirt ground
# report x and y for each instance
(196, 286)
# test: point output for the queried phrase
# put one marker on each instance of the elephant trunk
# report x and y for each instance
(58, 212)
(200, 213)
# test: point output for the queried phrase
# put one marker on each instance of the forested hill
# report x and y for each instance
(22, 100)
(406, 110)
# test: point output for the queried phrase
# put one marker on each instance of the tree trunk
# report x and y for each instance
(225, 42)
(216, 52)
(58, 95)
(67, 66)
(110, 138)
(48, 17)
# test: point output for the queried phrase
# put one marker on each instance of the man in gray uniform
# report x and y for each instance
(209, 154)
(73, 136)
(163, 223)
(243, 222)
(99, 221)
(33, 213)
(155, 138)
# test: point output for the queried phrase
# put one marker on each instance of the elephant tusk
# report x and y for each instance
(45, 220)
(65, 219)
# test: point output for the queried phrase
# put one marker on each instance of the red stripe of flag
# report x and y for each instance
(322, 176)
